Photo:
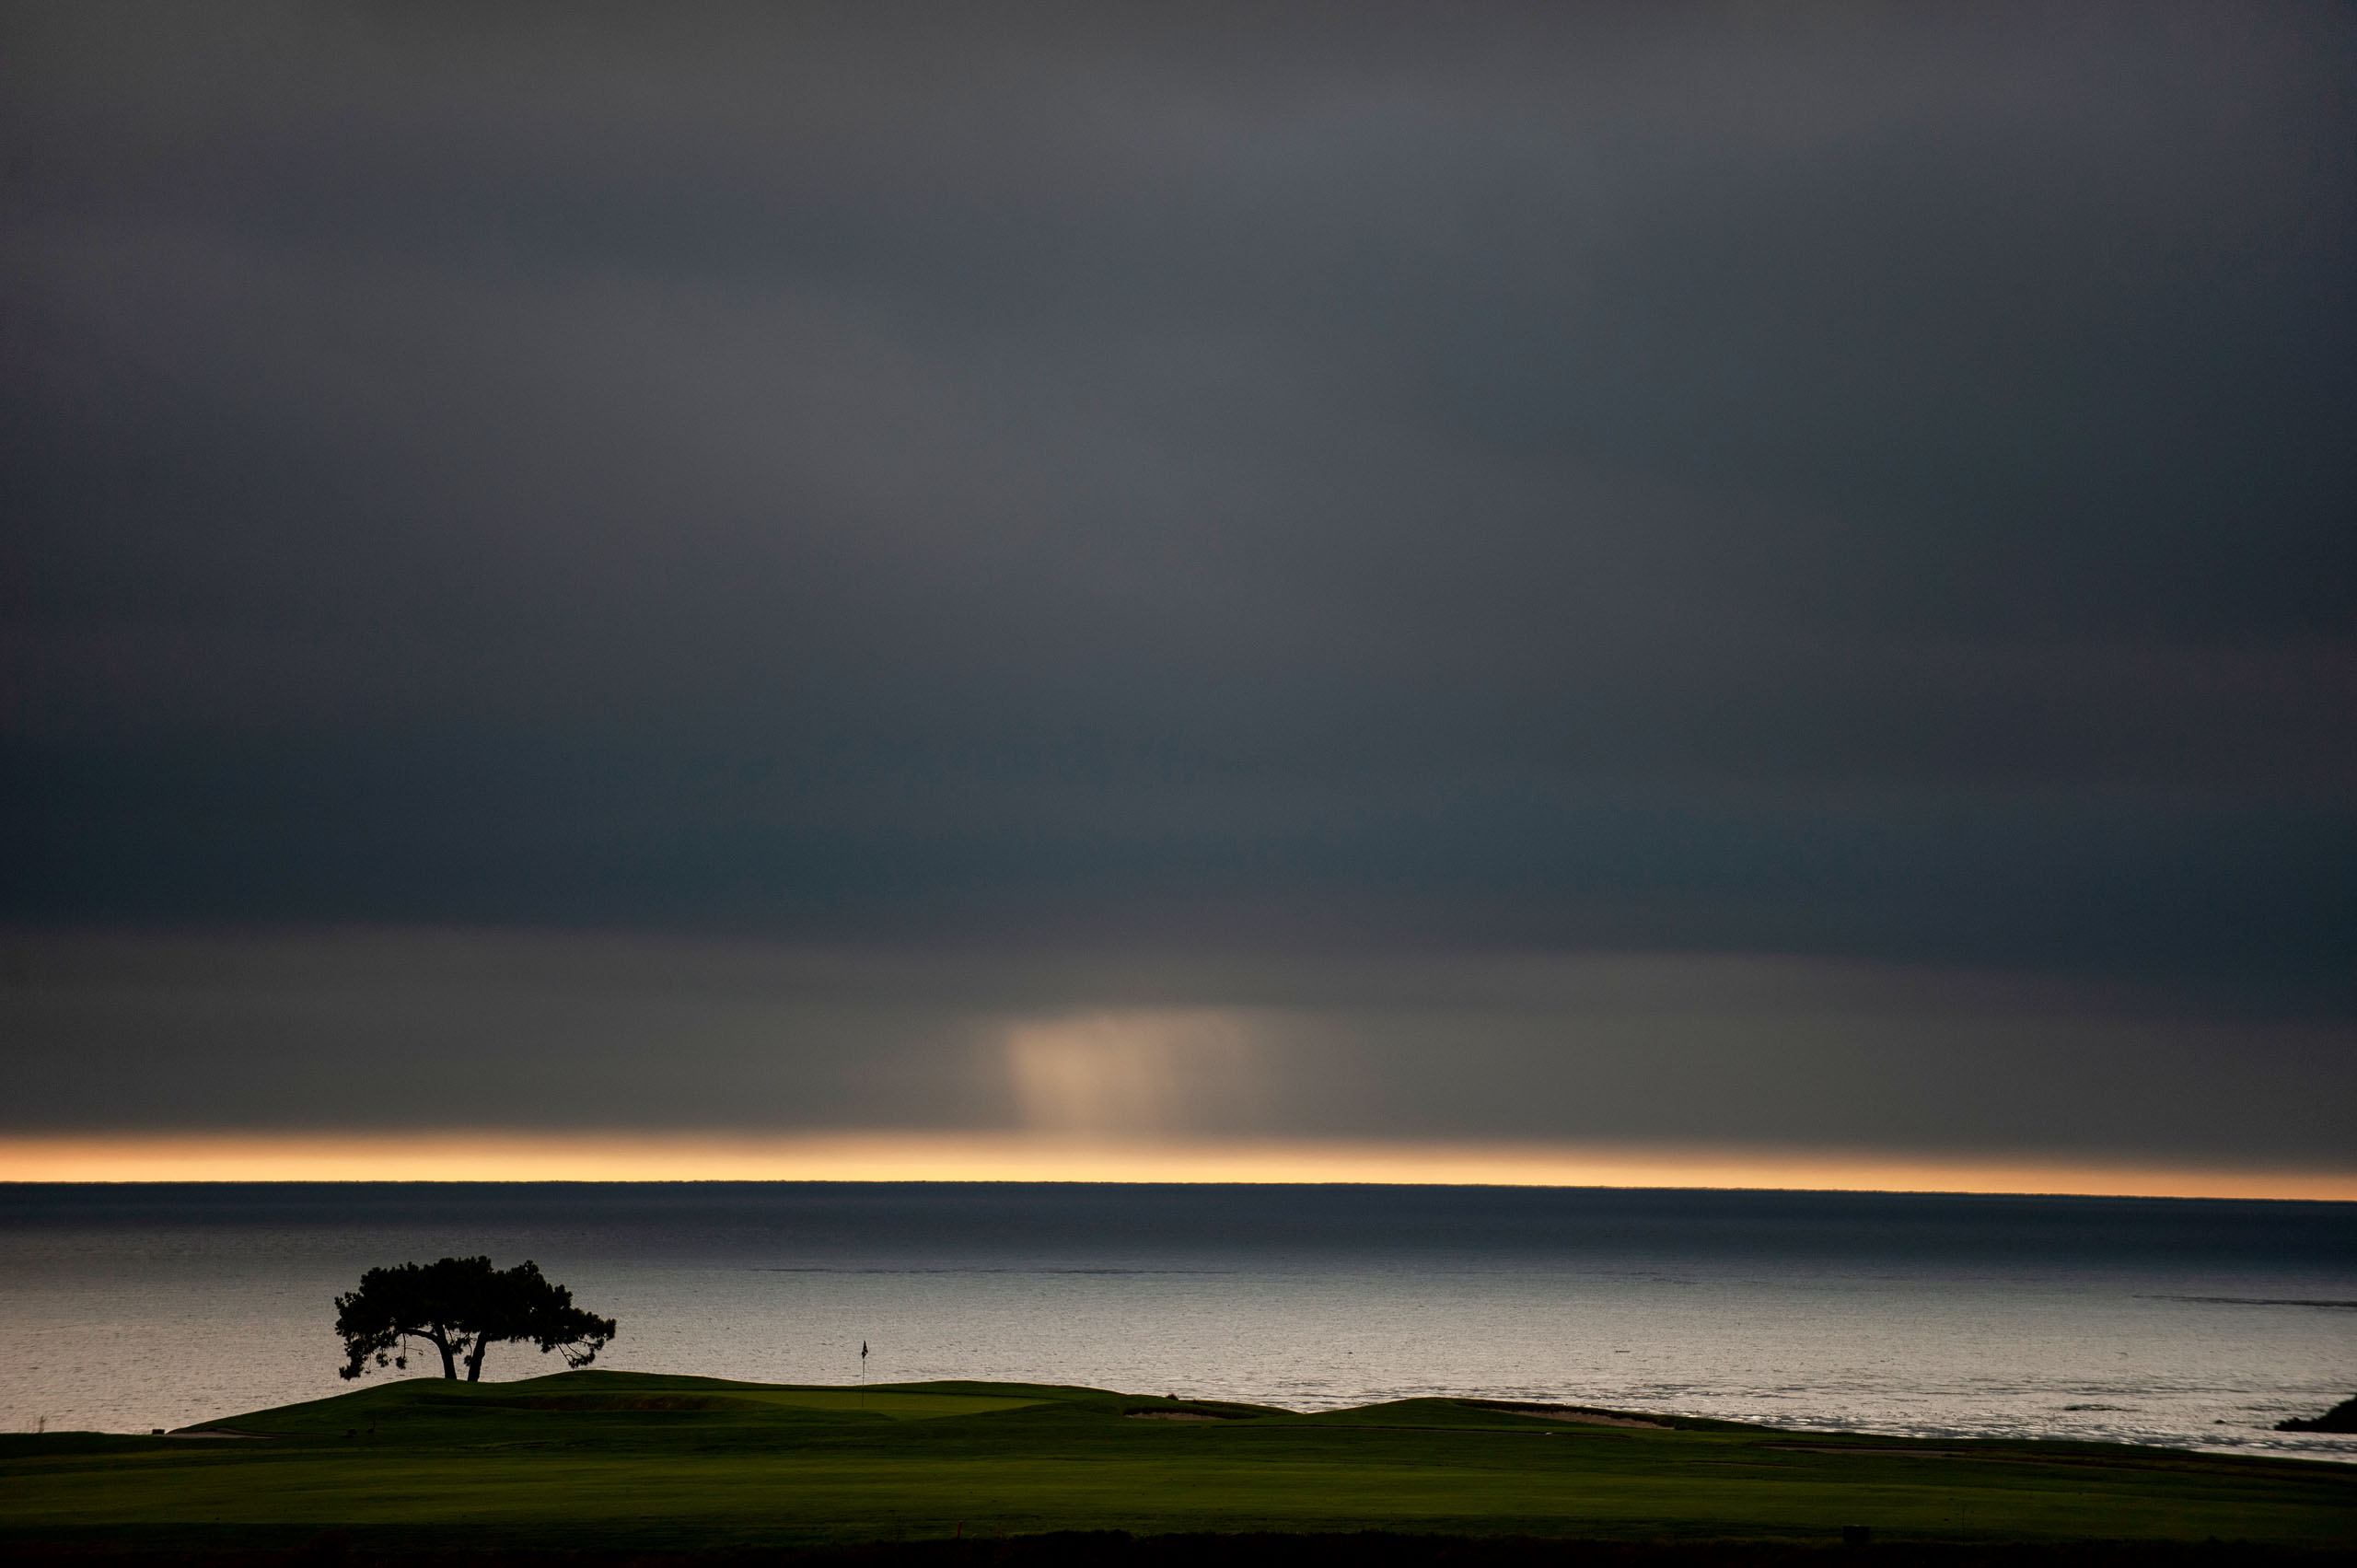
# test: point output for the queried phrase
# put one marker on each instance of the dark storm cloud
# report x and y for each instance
(1838, 481)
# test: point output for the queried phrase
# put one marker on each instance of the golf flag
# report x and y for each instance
(863, 1350)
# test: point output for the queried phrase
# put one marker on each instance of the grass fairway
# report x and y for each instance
(616, 1460)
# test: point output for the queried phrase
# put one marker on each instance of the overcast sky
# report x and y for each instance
(1715, 571)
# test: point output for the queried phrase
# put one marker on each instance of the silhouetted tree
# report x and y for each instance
(462, 1306)
(425, 1301)
(522, 1303)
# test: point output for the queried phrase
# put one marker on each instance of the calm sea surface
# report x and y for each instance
(126, 1307)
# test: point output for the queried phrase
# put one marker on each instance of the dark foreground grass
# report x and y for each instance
(1363, 1549)
(952, 1475)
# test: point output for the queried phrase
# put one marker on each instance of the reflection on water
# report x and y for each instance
(2149, 1320)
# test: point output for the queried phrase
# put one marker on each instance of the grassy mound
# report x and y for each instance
(616, 1461)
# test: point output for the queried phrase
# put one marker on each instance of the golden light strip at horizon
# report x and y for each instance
(494, 1156)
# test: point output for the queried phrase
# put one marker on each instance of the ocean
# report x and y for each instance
(2198, 1323)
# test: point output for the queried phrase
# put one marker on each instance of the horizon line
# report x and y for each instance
(515, 1155)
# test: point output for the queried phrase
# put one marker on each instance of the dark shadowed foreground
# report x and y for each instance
(1118, 1549)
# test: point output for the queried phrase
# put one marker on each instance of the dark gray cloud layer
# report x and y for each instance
(408, 1029)
(1839, 481)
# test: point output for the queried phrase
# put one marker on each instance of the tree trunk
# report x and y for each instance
(474, 1358)
(441, 1342)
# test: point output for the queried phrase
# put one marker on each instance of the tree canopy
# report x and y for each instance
(462, 1306)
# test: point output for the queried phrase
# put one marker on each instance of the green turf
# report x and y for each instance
(621, 1459)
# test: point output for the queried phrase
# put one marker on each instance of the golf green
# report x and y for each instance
(624, 1460)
